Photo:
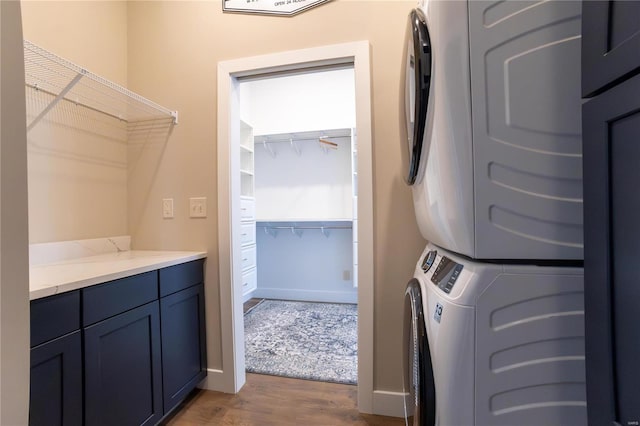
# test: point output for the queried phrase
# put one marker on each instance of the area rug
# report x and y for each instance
(315, 341)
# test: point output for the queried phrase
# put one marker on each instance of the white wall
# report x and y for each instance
(310, 101)
(313, 185)
(308, 267)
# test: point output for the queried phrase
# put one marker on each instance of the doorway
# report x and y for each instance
(230, 73)
(298, 186)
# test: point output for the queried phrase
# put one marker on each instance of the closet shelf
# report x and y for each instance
(302, 222)
(246, 172)
(63, 80)
(246, 148)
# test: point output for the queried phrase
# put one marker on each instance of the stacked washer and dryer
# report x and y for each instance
(494, 317)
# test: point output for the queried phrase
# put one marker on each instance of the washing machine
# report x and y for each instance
(493, 344)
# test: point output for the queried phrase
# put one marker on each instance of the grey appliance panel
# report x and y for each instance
(525, 74)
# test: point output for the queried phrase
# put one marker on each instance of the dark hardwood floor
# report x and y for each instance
(270, 401)
(249, 304)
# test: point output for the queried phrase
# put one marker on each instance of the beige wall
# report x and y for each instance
(174, 48)
(14, 270)
(172, 51)
(77, 159)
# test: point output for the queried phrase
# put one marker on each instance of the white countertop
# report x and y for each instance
(53, 278)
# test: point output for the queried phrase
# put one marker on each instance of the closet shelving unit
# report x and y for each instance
(247, 211)
(61, 79)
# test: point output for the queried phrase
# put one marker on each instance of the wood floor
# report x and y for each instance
(270, 401)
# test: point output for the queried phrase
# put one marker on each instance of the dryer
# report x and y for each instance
(493, 127)
(490, 344)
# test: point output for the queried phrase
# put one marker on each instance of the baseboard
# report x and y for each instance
(214, 381)
(306, 295)
(388, 403)
(384, 403)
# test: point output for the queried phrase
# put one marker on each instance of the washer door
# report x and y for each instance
(418, 384)
(417, 71)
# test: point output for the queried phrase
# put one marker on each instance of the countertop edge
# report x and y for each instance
(153, 264)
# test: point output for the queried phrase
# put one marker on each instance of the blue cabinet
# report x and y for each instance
(56, 382)
(123, 378)
(56, 361)
(610, 44)
(184, 358)
(123, 353)
(611, 154)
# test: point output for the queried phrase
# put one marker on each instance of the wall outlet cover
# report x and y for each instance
(198, 207)
(167, 208)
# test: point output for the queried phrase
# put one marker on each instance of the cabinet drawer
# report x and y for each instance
(54, 316)
(249, 281)
(179, 277)
(109, 299)
(248, 233)
(248, 257)
(247, 209)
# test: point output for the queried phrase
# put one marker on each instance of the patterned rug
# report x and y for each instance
(315, 341)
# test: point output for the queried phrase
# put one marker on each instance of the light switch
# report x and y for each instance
(167, 208)
(198, 207)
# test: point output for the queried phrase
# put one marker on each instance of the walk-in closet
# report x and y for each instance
(299, 187)
(298, 198)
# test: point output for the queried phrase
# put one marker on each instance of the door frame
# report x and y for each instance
(232, 376)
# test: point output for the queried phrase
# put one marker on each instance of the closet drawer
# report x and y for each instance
(249, 281)
(355, 252)
(248, 257)
(247, 209)
(248, 233)
(354, 229)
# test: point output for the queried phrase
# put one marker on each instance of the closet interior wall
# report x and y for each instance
(304, 212)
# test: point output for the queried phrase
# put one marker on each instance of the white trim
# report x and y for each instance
(356, 53)
(214, 381)
(389, 403)
(309, 295)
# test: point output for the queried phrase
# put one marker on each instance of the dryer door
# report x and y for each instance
(418, 384)
(417, 71)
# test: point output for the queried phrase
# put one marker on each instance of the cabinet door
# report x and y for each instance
(610, 43)
(184, 357)
(611, 140)
(123, 383)
(56, 382)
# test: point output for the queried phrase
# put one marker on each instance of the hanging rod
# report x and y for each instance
(64, 80)
(306, 227)
(288, 140)
(297, 230)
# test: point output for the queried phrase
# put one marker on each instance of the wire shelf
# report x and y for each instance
(64, 80)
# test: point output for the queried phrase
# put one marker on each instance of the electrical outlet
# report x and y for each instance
(198, 207)
(167, 208)
(346, 275)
